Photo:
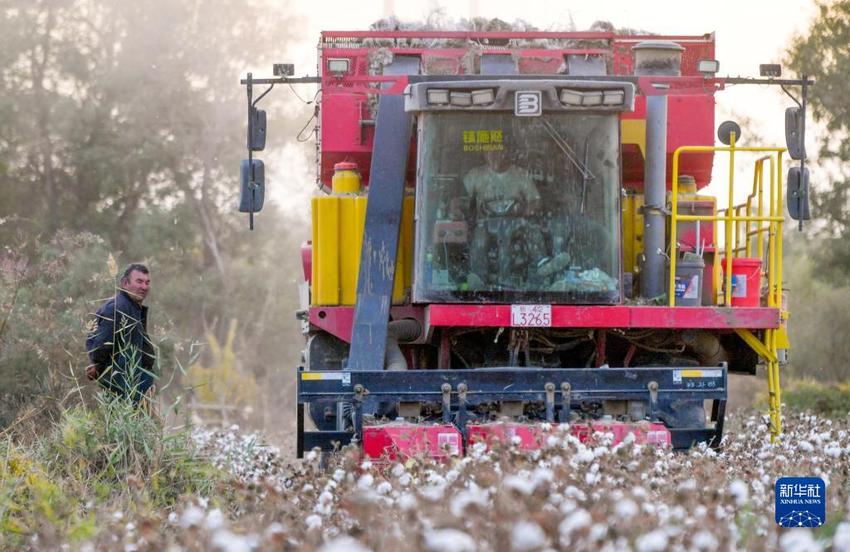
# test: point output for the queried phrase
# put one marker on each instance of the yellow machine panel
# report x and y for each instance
(632, 231)
(338, 222)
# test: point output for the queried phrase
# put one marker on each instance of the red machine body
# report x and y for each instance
(400, 440)
(347, 118)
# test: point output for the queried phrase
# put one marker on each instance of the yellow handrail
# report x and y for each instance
(737, 240)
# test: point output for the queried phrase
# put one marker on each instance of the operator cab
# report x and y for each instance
(518, 191)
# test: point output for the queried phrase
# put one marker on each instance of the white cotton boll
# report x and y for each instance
(568, 506)
(448, 540)
(384, 488)
(654, 541)
(527, 536)
(598, 531)
(648, 508)
(542, 476)
(700, 511)
(841, 538)
(117, 516)
(227, 541)
(172, 518)
(833, 450)
(703, 540)
(215, 519)
(404, 480)
(365, 481)
(312, 456)
(275, 529)
(520, 484)
(339, 475)
(472, 496)
(739, 490)
(407, 502)
(576, 493)
(592, 478)
(344, 544)
(626, 509)
(688, 485)
(308, 488)
(805, 446)
(551, 441)
(584, 456)
(398, 470)
(516, 440)
(798, 540)
(578, 519)
(192, 517)
(452, 476)
(366, 465)
(313, 521)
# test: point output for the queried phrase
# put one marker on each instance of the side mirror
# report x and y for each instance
(725, 130)
(797, 196)
(253, 190)
(257, 130)
(794, 132)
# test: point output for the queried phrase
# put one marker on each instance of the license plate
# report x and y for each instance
(531, 316)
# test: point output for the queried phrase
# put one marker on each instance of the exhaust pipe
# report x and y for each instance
(655, 57)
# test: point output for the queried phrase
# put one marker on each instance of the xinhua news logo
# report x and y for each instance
(800, 502)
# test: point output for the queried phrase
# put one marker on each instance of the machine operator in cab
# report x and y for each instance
(506, 238)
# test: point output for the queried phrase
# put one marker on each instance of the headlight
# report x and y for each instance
(613, 97)
(571, 97)
(483, 97)
(591, 98)
(438, 96)
(460, 98)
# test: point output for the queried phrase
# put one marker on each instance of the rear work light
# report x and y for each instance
(708, 67)
(339, 65)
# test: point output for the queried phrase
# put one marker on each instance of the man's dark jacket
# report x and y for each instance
(121, 348)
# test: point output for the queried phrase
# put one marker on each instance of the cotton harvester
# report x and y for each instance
(511, 235)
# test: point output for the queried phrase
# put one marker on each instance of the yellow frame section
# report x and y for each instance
(738, 241)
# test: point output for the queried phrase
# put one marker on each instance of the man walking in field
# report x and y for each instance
(122, 355)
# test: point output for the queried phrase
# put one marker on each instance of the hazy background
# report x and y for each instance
(121, 129)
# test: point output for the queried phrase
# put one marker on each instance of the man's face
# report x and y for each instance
(137, 285)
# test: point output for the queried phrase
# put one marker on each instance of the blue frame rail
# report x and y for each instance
(558, 388)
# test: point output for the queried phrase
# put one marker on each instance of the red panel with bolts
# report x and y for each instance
(644, 433)
(534, 436)
(523, 436)
(399, 440)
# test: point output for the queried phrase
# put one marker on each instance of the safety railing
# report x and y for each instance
(740, 224)
(744, 224)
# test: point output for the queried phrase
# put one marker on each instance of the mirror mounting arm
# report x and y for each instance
(256, 139)
(804, 90)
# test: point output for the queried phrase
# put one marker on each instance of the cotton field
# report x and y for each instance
(565, 496)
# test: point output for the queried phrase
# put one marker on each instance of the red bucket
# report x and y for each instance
(746, 281)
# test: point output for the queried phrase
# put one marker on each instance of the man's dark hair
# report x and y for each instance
(134, 266)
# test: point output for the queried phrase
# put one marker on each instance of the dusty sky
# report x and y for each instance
(748, 32)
